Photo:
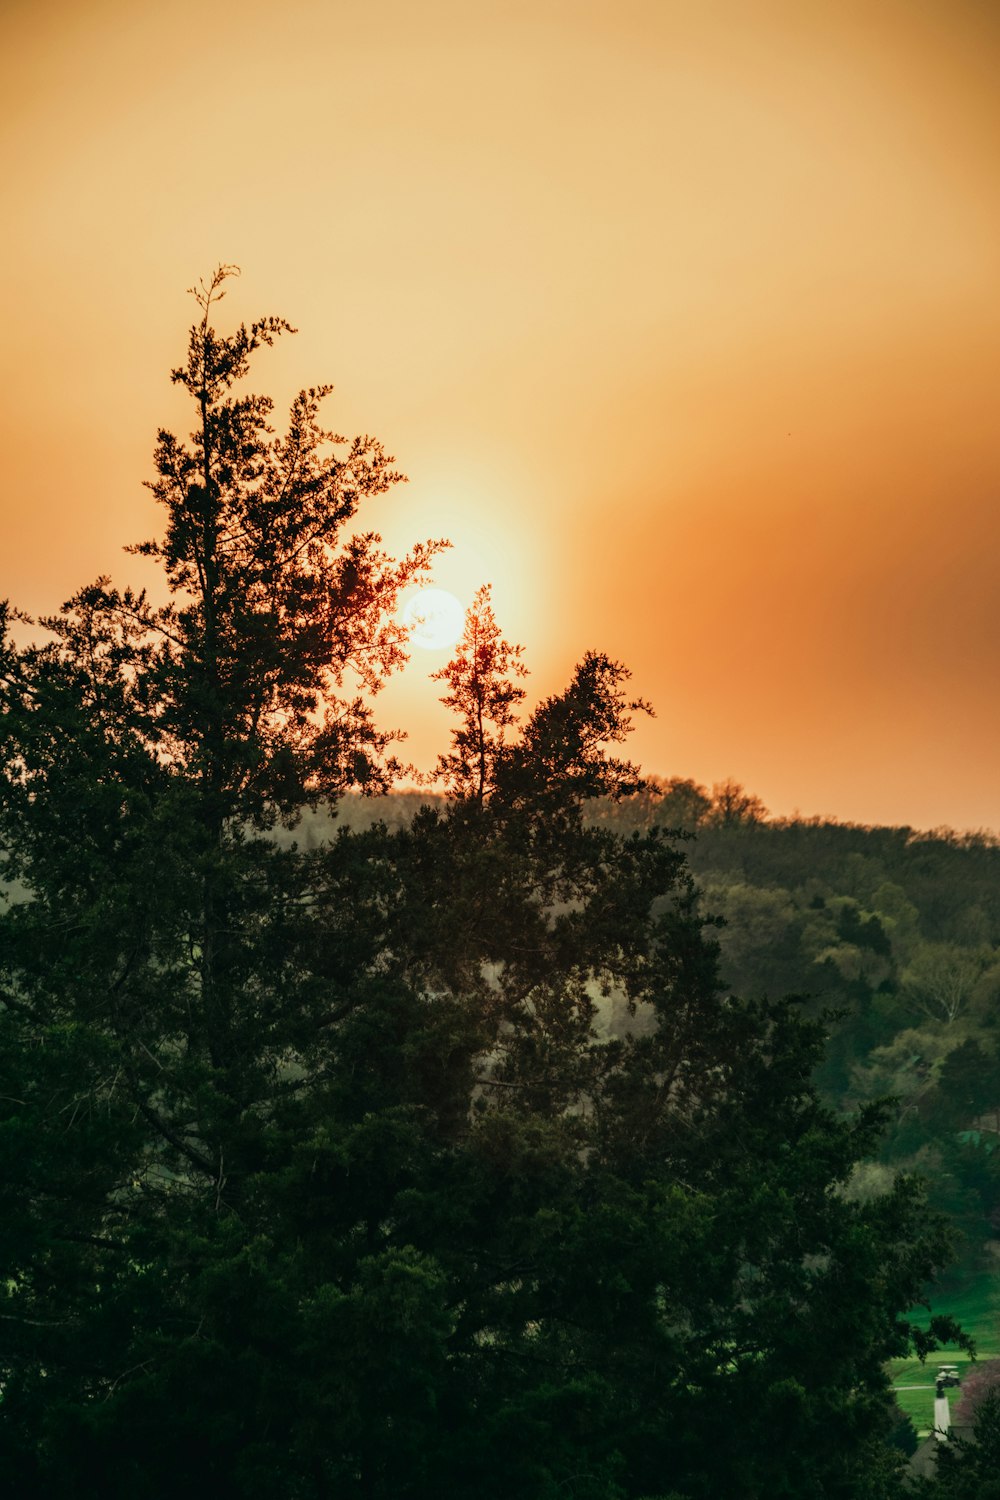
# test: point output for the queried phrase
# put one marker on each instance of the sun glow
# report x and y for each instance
(434, 618)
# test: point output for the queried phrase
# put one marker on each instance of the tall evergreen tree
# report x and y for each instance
(319, 1174)
(482, 691)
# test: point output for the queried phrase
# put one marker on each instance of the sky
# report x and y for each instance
(681, 317)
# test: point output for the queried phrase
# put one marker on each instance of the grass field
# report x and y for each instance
(977, 1307)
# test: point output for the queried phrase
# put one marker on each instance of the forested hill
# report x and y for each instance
(899, 930)
(896, 928)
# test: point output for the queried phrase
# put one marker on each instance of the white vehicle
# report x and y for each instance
(947, 1375)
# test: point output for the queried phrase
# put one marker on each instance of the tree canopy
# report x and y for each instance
(899, 933)
(319, 1172)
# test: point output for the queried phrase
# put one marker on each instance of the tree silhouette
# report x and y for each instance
(318, 1173)
(482, 691)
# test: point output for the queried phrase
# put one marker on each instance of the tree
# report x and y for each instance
(968, 1468)
(969, 1086)
(734, 807)
(942, 977)
(154, 1009)
(685, 803)
(482, 692)
(316, 1175)
(977, 1386)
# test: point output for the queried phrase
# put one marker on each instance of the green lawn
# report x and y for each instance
(977, 1307)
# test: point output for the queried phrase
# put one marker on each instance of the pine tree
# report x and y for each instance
(482, 692)
(322, 1172)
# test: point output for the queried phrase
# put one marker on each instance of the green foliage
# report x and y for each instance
(320, 1176)
(893, 936)
(968, 1467)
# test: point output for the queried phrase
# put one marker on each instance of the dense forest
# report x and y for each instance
(891, 934)
(392, 1149)
(897, 932)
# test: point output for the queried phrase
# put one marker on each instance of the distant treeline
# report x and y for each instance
(894, 930)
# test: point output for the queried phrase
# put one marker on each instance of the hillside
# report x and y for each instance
(895, 931)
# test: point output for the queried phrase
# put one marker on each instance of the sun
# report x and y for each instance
(434, 618)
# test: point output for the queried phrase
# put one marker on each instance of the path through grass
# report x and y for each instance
(976, 1305)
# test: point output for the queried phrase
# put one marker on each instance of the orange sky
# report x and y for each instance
(681, 315)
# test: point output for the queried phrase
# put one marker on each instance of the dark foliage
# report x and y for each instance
(319, 1172)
